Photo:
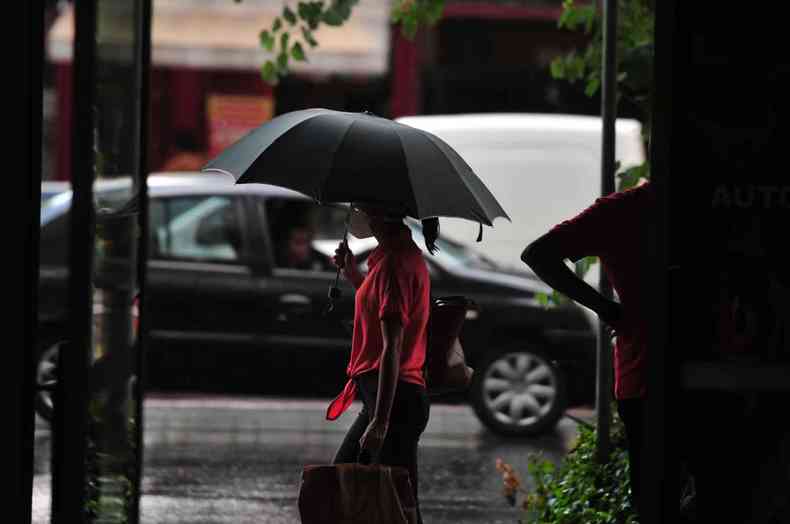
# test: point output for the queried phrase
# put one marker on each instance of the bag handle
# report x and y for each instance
(395, 508)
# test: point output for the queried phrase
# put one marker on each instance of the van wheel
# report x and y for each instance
(518, 392)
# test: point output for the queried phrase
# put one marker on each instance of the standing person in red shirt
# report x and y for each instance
(391, 310)
(614, 230)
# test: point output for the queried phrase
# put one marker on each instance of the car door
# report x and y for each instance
(316, 340)
(170, 282)
(209, 311)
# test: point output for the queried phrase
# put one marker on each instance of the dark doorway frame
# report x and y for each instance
(20, 375)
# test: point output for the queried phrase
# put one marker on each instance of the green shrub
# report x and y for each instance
(579, 490)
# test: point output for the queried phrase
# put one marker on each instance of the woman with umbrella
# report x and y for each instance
(391, 311)
(397, 171)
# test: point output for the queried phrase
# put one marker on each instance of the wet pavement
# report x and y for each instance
(213, 460)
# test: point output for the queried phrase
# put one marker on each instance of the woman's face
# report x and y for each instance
(378, 220)
(359, 224)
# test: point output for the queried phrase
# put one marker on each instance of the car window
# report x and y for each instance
(203, 228)
(450, 253)
(51, 188)
(54, 204)
(47, 194)
(112, 200)
(297, 227)
(455, 254)
(54, 220)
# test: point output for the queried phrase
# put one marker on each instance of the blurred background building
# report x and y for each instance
(206, 87)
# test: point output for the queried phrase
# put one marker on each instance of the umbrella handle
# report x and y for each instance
(334, 291)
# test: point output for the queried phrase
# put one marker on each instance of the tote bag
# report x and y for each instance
(445, 363)
(356, 494)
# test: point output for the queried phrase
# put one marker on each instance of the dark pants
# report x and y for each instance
(631, 412)
(408, 418)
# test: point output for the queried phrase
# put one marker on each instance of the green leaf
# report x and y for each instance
(569, 67)
(589, 14)
(284, 38)
(543, 299)
(343, 9)
(433, 11)
(267, 40)
(573, 17)
(593, 84)
(550, 300)
(631, 176)
(282, 63)
(297, 53)
(398, 11)
(582, 266)
(332, 17)
(289, 15)
(269, 72)
(304, 9)
(568, 16)
(557, 298)
(409, 27)
(308, 37)
(413, 13)
(311, 13)
(557, 68)
(577, 67)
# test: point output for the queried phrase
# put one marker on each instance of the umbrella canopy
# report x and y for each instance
(335, 156)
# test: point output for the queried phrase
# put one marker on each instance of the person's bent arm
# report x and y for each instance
(389, 369)
(346, 260)
(545, 258)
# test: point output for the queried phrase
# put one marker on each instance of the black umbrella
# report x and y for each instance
(336, 157)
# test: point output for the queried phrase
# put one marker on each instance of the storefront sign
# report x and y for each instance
(232, 116)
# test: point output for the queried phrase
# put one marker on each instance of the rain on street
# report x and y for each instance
(219, 459)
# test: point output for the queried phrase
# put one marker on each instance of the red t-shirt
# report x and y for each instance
(614, 230)
(397, 284)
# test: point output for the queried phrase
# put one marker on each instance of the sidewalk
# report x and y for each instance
(217, 459)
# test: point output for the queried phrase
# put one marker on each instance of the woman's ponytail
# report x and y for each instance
(430, 230)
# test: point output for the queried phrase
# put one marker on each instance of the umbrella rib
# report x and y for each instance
(308, 115)
(278, 139)
(334, 158)
(481, 217)
(406, 164)
(396, 128)
(306, 121)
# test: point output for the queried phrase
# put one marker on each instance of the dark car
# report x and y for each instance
(226, 310)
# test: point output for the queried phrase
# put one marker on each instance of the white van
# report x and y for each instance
(542, 168)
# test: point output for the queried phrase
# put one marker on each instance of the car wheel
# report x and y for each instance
(518, 392)
(47, 378)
